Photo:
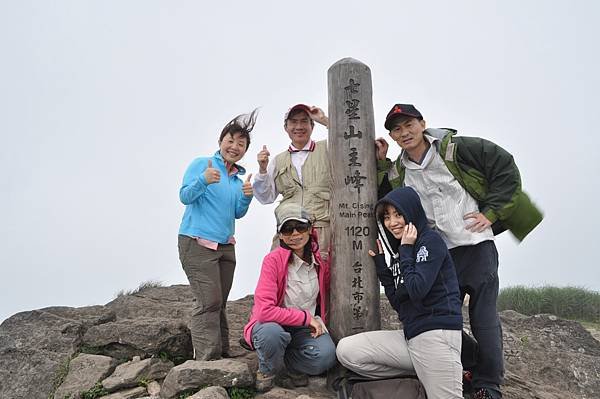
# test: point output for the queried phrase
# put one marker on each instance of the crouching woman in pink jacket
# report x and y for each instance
(287, 325)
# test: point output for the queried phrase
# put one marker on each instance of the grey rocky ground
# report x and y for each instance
(138, 346)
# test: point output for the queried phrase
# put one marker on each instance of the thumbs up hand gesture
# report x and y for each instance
(247, 186)
(211, 174)
(263, 159)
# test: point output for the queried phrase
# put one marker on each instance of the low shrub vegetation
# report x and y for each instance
(95, 392)
(573, 303)
(143, 286)
(241, 392)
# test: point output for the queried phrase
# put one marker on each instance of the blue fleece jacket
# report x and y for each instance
(421, 282)
(211, 209)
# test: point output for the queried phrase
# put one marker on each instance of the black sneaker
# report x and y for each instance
(343, 388)
(345, 392)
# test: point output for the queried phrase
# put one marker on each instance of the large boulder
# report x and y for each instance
(550, 355)
(148, 323)
(131, 393)
(195, 374)
(84, 372)
(137, 371)
(126, 338)
(210, 393)
(36, 347)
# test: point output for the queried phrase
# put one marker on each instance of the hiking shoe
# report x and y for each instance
(289, 380)
(298, 379)
(482, 393)
(264, 382)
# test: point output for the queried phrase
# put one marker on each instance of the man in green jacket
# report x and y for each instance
(470, 189)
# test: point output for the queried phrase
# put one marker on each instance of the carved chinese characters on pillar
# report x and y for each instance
(352, 110)
(357, 292)
(354, 157)
(354, 287)
(355, 180)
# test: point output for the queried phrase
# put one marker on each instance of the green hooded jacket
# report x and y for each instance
(486, 171)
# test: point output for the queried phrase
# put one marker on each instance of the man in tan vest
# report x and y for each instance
(300, 173)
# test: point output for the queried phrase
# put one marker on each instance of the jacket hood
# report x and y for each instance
(407, 202)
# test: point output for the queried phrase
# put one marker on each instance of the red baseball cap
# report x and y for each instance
(297, 107)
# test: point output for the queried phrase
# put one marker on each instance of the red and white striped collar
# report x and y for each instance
(310, 147)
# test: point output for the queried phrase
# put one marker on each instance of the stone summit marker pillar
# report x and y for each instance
(354, 293)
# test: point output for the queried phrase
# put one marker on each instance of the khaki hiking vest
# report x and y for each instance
(314, 194)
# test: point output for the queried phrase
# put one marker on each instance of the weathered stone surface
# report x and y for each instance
(131, 373)
(315, 390)
(153, 388)
(146, 323)
(210, 393)
(140, 337)
(36, 346)
(318, 383)
(137, 392)
(174, 302)
(194, 374)
(553, 356)
(546, 357)
(84, 372)
(279, 393)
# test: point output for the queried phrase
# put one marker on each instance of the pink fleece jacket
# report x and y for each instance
(270, 292)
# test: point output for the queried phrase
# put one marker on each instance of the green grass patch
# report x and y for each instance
(186, 394)
(574, 303)
(60, 375)
(241, 392)
(144, 382)
(589, 324)
(94, 392)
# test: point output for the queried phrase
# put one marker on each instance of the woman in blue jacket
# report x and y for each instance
(422, 286)
(214, 196)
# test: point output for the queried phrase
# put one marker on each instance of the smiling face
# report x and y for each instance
(299, 127)
(408, 133)
(393, 221)
(233, 147)
(295, 234)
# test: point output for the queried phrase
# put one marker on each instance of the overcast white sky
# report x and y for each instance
(103, 104)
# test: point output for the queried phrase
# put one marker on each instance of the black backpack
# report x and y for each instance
(349, 385)
(404, 388)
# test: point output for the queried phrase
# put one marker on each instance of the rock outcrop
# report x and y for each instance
(138, 346)
(84, 372)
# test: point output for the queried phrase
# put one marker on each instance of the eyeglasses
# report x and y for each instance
(288, 227)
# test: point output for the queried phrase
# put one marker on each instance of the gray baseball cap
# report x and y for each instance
(290, 211)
